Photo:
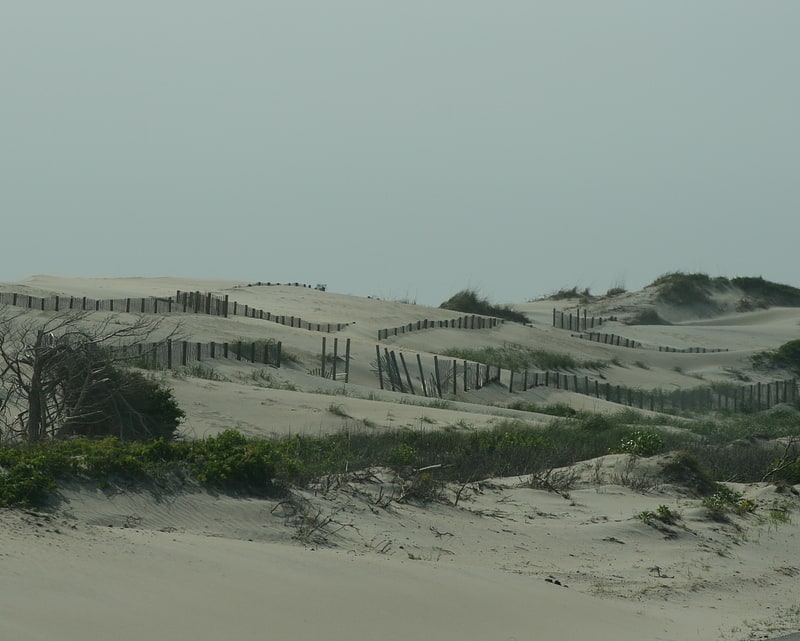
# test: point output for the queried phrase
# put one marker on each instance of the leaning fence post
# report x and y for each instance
(436, 375)
(408, 376)
(422, 376)
(380, 369)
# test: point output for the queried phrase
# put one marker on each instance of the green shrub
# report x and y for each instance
(24, 485)
(641, 444)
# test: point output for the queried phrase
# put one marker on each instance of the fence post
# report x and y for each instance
(436, 375)
(347, 361)
(408, 376)
(323, 357)
(335, 356)
(511, 382)
(169, 354)
(455, 377)
(184, 354)
(422, 376)
(380, 369)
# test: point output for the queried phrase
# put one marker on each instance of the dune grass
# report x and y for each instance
(519, 358)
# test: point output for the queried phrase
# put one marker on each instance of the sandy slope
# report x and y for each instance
(342, 561)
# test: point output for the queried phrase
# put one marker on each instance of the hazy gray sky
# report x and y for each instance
(401, 149)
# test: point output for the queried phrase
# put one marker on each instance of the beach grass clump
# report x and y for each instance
(570, 293)
(468, 302)
(647, 317)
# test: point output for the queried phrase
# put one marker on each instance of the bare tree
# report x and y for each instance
(61, 375)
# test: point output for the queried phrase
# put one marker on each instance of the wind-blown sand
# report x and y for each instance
(339, 562)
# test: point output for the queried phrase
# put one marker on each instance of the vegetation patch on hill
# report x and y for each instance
(787, 356)
(468, 302)
(682, 289)
(512, 356)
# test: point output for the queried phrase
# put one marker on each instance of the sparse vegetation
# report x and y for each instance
(567, 294)
(647, 317)
(468, 302)
(519, 358)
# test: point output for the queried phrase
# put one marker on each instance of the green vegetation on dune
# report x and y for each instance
(764, 292)
(512, 356)
(468, 302)
(679, 288)
(787, 356)
(730, 447)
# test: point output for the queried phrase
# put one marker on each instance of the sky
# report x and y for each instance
(404, 150)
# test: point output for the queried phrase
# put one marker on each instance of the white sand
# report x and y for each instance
(135, 564)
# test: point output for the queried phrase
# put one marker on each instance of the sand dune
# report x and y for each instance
(507, 562)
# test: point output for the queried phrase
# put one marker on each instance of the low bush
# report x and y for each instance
(640, 443)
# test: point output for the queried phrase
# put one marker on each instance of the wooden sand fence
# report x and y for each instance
(171, 355)
(576, 322)
(621, 341)
(147, 305)
(462, 322)
(182, 302)
(207, 303)
(437, 376)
